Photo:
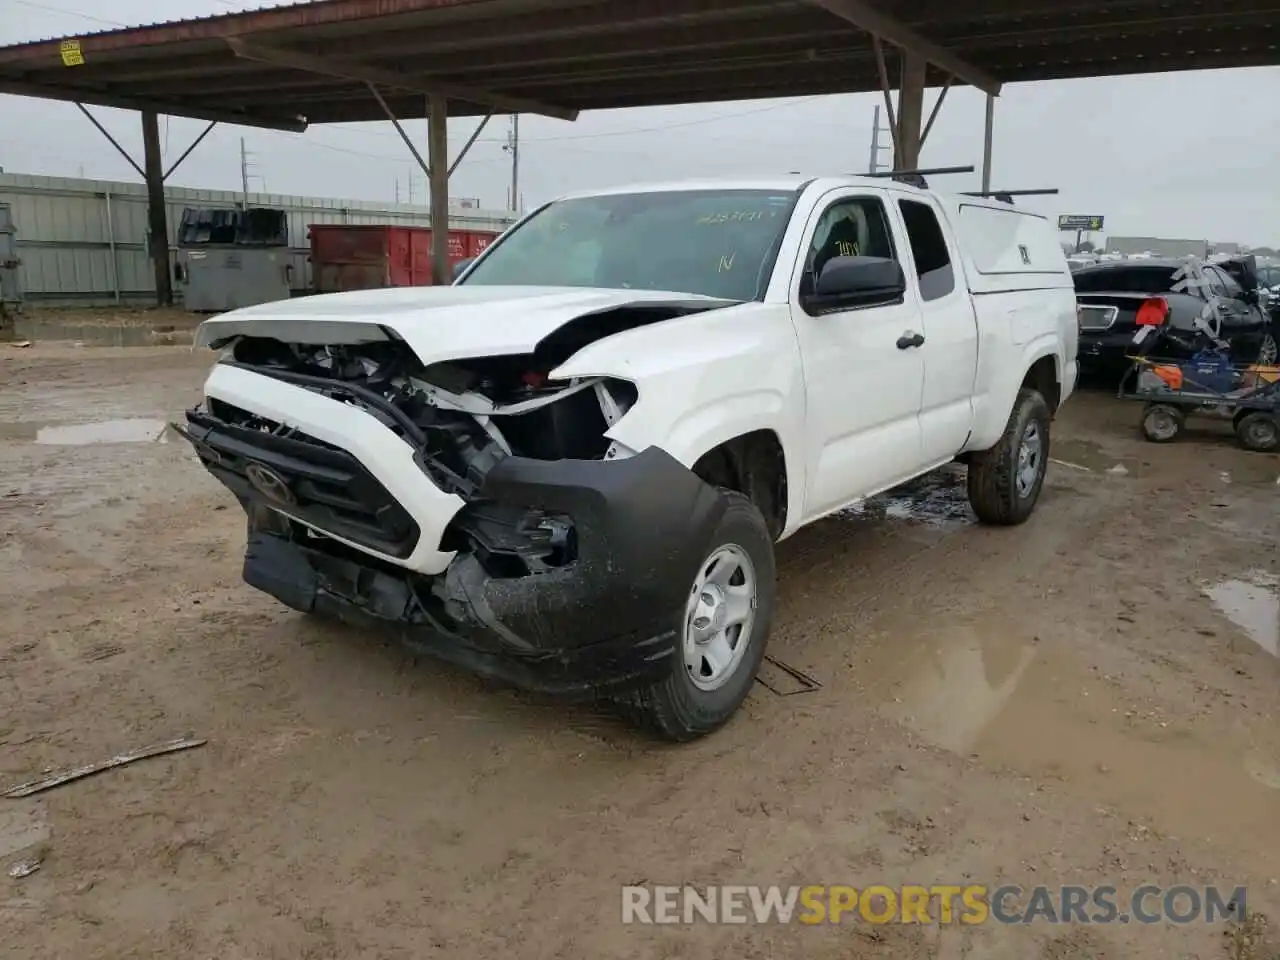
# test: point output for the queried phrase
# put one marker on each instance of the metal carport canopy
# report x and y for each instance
(335, 61)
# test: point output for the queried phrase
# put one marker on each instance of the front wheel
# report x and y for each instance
(1162, 422)
(722, 627)
(1005, 481)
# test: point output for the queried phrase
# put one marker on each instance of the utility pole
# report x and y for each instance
(876, 146)
(512, 146)
(244, 175)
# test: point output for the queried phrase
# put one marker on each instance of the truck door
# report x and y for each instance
(950, 329)
(862, 366)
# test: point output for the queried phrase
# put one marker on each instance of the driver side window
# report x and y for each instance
(854, 227)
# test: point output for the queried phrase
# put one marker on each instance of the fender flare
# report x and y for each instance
(696, 432)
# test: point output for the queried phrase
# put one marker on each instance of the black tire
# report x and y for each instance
(993, 490)
(1259, 431)
(1163, 422)
(676, 709)
(1269, 350)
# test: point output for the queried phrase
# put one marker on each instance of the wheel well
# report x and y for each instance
(754, 465)
(1043, 376)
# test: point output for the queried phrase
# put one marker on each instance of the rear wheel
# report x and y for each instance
(1162, 422)
(1269, 354)
(723, 626)
(1259, 431)
(1005, 481)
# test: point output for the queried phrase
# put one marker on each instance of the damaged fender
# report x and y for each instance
(641, 525)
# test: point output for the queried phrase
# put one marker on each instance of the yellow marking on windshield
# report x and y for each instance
(726, 262)
(846, 249)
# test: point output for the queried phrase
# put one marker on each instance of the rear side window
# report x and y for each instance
(929, 249)
(1126, 280)
(1224, 284)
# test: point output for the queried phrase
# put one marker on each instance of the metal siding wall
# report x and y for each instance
(1157, 246)
(64, 238)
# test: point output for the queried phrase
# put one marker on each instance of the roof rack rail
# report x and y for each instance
(916, 178)
(1006, 196)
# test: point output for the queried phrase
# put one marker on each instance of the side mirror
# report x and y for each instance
(460, 267)
(857, 282)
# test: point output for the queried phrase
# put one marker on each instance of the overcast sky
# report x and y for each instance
(1191, 155)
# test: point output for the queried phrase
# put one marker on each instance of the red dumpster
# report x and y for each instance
(478, 241)
(346, 257)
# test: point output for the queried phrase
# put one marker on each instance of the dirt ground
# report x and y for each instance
(1090, 698)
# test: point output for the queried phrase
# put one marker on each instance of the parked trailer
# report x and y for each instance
(345, 257)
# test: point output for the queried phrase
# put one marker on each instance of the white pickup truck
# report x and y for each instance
(569, 469)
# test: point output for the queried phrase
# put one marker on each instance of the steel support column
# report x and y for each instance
(986, 143)
(157, 219)
(910, 111)
(438, 161)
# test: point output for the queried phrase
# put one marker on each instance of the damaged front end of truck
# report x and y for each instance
(475, 504)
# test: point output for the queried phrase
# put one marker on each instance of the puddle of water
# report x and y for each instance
(1085, 456)
(105, 431)
(937, 499)
(1081, 454)
(956, 691)
(1252, 603)
(103, 334)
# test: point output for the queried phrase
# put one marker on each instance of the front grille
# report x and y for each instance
(1095, 318)
(327, 488)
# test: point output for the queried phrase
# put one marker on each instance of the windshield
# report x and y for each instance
(718, 243)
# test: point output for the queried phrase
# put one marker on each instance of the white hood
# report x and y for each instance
(438, 323)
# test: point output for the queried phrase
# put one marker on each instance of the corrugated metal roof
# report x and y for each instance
(571, 55)
(160, 24)
(152, 24)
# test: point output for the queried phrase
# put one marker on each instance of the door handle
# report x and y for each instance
(910, 339)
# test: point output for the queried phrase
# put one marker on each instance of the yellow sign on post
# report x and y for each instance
(71, 54)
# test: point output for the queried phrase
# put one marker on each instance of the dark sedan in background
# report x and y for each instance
(1109, 296)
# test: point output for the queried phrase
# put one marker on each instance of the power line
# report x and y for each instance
(364, 153)
(672, 126)
(622, 133)
(70, 13)
(504, 141)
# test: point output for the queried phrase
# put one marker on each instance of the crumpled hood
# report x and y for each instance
(438, 323)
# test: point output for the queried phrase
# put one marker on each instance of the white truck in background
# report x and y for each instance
(570, 468)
